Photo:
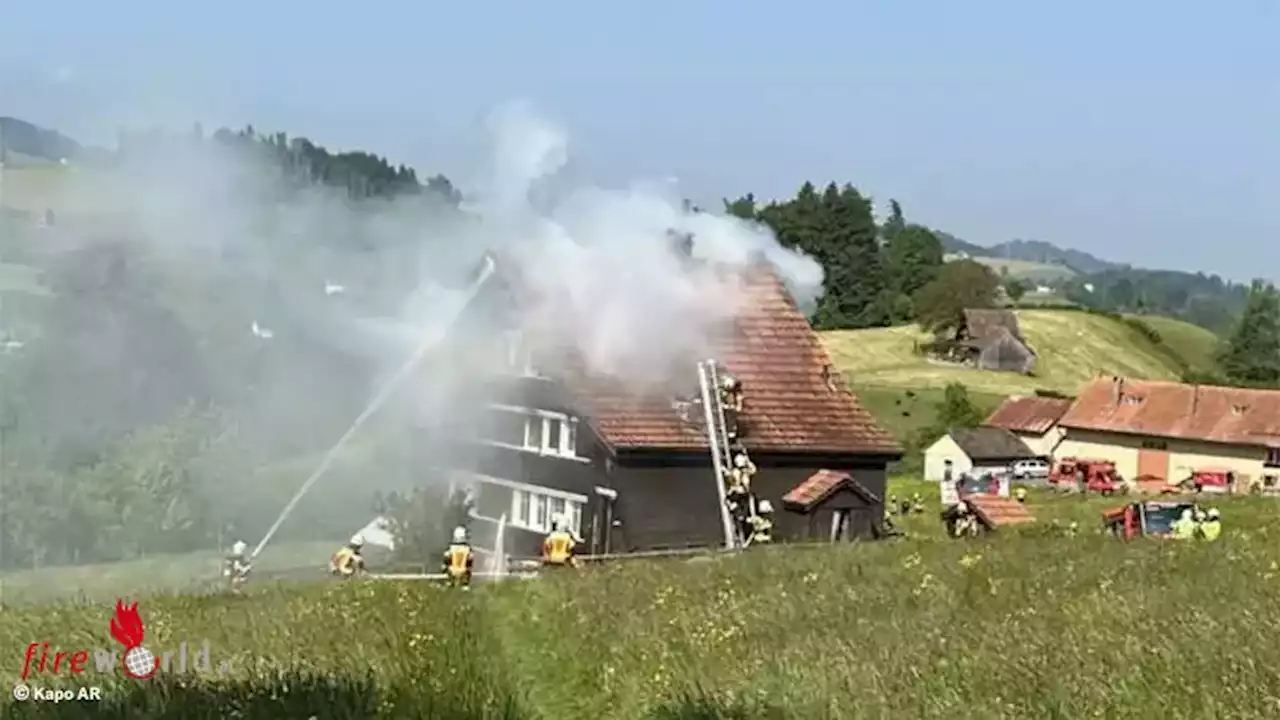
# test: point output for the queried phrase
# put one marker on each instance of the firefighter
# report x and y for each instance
(459, 560)
(236, 568)
(348, 561)
(731, 402)
(1073, 529)
(1020, 494)
(1184, 528)
(557, 548)
(761, 524)
(917, 503)
(1211, 528)
(966, 523)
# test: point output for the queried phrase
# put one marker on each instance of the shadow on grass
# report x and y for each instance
(293, 695)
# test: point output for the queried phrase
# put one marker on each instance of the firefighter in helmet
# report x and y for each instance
(558, 547)
(348, 561)
(761, 524)
(459, 559)
(731, 402)
(236, 568)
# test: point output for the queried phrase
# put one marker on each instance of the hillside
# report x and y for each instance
(1036, 252)
(1032, 272)
(33, 141)
(764, 634)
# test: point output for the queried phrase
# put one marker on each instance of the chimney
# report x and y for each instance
(1118, 382)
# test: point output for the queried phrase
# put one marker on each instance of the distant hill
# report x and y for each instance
(1032, 251)
(33, 141)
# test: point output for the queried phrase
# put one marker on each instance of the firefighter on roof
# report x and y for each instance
(459, 559)
(236, 569)
(557, 548)
(348, 561)
(761, 524)
(731, 401)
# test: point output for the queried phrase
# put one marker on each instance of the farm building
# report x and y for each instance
(1167, 430)
(993, 340)
(1034, 420)
(969, 449)
(633, 470)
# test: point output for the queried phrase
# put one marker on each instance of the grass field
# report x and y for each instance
(1194, 344)
(1028, 624)
(1073, 347)
(903, 412)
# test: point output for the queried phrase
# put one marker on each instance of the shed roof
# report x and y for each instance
(986, 325)
(794, 400)
(821, 485)
(995, 511)
(1238, 416)
(1031, 414)
(987, 443)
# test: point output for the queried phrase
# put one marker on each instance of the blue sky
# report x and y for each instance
(1141, 131)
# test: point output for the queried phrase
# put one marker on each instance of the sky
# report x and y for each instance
(1143, 132)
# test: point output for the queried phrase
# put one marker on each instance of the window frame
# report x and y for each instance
(531, 510)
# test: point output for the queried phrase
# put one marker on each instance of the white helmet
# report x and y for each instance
(729, 382)
(357, 540)
(740, 460)
(459, 534)
(239, 547)
(1213, 514)
(1186, 514)
(765, 507)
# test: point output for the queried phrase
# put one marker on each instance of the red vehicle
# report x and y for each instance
(1098, 475)
(1208, 480)
(1145, 519)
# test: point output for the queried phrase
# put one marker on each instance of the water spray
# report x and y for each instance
(486, 271)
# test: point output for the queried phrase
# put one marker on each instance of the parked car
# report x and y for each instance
(1031, 470)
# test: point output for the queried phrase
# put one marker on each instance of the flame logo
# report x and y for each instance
(127, 628)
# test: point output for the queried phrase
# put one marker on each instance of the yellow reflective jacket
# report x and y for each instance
(557, 549)
(1211, 529)
(458, 559)
(345, 562)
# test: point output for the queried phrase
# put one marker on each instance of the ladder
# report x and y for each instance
(718, 441)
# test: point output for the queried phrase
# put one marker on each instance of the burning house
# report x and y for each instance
(634, 471)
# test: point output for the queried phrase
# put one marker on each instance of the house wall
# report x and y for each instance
(935, 457)
(1044, 444)
(1184, 456)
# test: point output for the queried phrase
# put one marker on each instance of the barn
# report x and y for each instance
(633, 471)
(994, 341)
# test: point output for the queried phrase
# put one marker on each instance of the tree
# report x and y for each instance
(955, 410)
(895, 223)
(1251, 355)
(1014, 288)
(913, 257)
(744, 207)
(959, 286)
(855, 281)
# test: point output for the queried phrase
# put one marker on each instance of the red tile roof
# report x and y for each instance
(819, 486)
(1237, 416)
(998, 511)
(1032, 414)
(793, 401)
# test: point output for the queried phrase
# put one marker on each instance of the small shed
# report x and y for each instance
(970, 449)
(995, 340)
(836, 507)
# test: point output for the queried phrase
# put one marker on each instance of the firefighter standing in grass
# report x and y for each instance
(1211, 528)
(459, 560)
(1184, 528)
(348, 561)
(237, 566)
(557, 548)
(1020, 494)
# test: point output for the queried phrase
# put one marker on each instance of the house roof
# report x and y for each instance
(988, 443)
(995, 511)
(1238, 416)
(794, 401)
(821, 485)
(1031, 414)
(989, 325)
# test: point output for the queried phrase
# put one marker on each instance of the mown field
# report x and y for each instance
(1194, 344)
(1028, 624)
(1073, 347)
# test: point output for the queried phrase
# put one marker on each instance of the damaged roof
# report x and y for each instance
(988, 443)
(1033, 414)
(1238, 416)
(793, 398)
(989, 325)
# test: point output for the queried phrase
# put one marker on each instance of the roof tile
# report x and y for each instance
(820, 485)
(1031, 414)
(1230, 415)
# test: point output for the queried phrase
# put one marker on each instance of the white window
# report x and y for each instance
(533, 511)
(540, 431)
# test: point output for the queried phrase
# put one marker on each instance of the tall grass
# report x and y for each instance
(1030, 625)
